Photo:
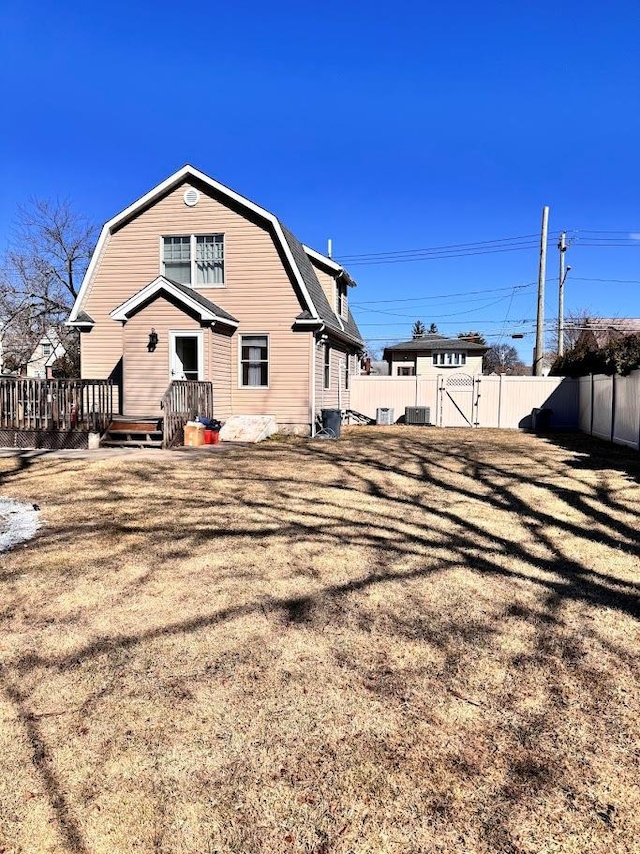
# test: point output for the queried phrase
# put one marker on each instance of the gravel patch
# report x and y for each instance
(18, 522)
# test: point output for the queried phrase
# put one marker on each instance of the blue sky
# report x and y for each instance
(385, 127)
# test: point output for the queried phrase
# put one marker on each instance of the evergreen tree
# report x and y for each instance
(418, 329)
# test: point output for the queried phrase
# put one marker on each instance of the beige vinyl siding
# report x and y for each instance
(221, 374)
(319, 377)
(258, 292)
(147, 375)
(328, 284)
(330, 288)
(337, 395)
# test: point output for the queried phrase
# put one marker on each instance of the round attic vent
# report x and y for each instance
(191, 197)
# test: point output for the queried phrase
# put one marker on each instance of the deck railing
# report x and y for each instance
(181, 402)
(55, 405)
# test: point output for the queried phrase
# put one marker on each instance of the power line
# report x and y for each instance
(440, 296)
(587, 231)
(441, 256)
(481, 247)
(437, 316)
(518, 322)
(419, 308)
(473, 245)
(618, 281)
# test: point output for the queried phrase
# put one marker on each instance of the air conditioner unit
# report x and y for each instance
(417, 414)
(384, 415)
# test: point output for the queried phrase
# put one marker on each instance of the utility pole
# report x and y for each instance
(562, 246)
(542, 272)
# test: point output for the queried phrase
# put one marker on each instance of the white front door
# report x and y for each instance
(186, 356)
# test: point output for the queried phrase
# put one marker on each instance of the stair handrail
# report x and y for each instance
(181, 402)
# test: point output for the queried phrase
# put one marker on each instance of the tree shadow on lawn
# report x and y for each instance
(425, 511)
(593, 454)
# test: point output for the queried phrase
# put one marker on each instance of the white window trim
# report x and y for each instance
(254, 387)
(192, 255)
(326, 377)
(188, 333)
(439, 357)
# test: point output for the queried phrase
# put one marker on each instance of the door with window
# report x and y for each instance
(186, 356)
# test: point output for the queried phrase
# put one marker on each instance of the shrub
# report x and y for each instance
(618, 357)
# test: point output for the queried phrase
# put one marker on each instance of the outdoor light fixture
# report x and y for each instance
(153, 340)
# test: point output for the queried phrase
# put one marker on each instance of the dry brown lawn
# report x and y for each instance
(410, 640)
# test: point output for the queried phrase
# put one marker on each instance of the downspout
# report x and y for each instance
(339, 319)
(314, 356)
(312, 339)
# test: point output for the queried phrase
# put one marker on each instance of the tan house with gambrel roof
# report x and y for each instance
(194, 281)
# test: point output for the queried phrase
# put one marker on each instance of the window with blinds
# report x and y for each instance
(195, 260)
(254, 361)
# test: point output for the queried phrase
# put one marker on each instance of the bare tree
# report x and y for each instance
(574, 323)
(502, 359)
(41, 275)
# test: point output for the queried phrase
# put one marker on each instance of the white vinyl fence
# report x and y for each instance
(487, 401)
(609, 408)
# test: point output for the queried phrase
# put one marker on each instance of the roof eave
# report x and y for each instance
(79, 324)
(124, 311)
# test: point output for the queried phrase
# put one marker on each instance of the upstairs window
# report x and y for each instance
(254, 361)
(327, 366)
(194, 260)
(47, 349)
(449, 360)
(341, 299)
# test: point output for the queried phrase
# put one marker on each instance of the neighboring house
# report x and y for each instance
(379, 369)
(47, 350)
(598, 332)
(370, 367)
(194, 281)
(433, 354)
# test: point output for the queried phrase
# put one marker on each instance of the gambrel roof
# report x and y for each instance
(312, 296)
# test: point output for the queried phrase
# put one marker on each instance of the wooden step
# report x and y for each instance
(131, 443)
(133, 432)
(137, 425)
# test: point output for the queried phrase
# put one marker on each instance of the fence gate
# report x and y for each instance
(458, 396)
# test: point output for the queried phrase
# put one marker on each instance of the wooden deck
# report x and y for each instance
(44, 413)
(55, 405)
